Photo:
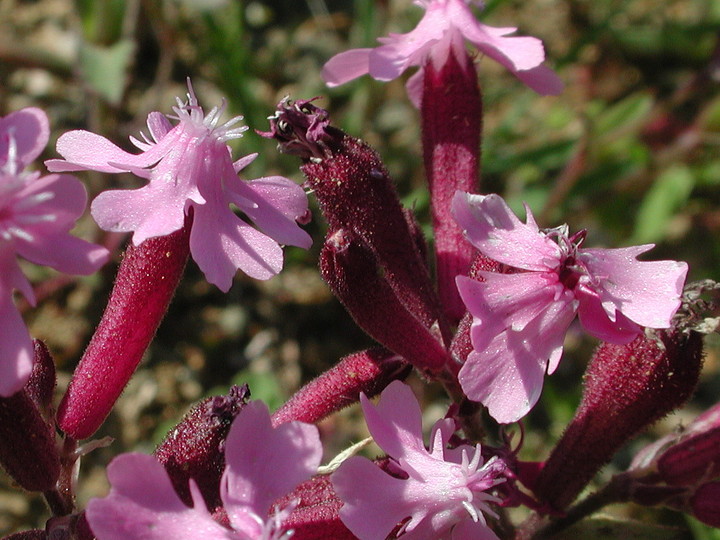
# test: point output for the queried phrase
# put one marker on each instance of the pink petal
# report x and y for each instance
(263, 463)
(400, 51)
(542, 80)
(84, 150)
(506, 301)
(157, 209)
(375, 502)
(507, 375)
(221, 243)
(414, 87)
(648, 293)
(11, 276)
(64, 253)
(142, 504)
(346, 66)
(16, 349)
(274, 205)
(61, 196)
(494, 229)
(596, 321)
(396, 421)
(29, 129)
(515, 53)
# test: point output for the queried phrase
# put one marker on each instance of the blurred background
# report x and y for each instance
(630, 151)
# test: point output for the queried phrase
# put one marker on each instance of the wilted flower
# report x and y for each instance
(520, 318)
(445, 490)
(440, 33)
(36, 215)
(190, 169)
(263, 464)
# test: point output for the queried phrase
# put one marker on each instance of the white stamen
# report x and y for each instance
(471, 510)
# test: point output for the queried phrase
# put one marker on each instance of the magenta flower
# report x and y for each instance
(438, 34)
(36, 215)
(263, 464)
(520, 318)
(189, 167)
(444, 494)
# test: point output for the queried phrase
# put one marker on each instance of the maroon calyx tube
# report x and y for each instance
(368, 371)
(627, 388)
(144, 286)
(451, 111)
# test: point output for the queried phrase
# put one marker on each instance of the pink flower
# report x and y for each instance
(189, 166)
(444, 494)
(36, 215)
(440, 33)
(520, 319)
(263, 464)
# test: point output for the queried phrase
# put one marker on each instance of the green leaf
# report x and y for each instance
(105, 68)
(702, 531)
(667, 195)
(626, 115)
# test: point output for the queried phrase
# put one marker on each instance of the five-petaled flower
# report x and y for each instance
(262, 464)
(439, 34)
(189, 167)
(520, 318)
(36, 215)
(444, 492)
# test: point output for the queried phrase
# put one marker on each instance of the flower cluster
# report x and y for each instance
(263, 463)
(190, 172)
(485, 323)
(432, 492)
(520, 318)
(438, 35)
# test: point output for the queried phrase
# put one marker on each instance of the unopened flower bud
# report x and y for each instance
(627, 387)
(368, 371)
(691, 460)
(705, 504)
(195, 448)
(351, 270)
(28, 449)
(41, 386)
(356, 194)
(316, 515)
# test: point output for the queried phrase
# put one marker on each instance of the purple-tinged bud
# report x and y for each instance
(41, 386)
(195, 448)
(705, 504)
(451, 110)
(692, 460)
(368, 371)
(145, 284)
(28, 448)
(356, 194)
(351, 270)
(317, 514)
(627, 387)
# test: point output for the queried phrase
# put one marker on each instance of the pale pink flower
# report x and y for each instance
(189, 168)
(36, 215)
(520, 318)
(439, 33)
(262, 464)
(445, 492)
